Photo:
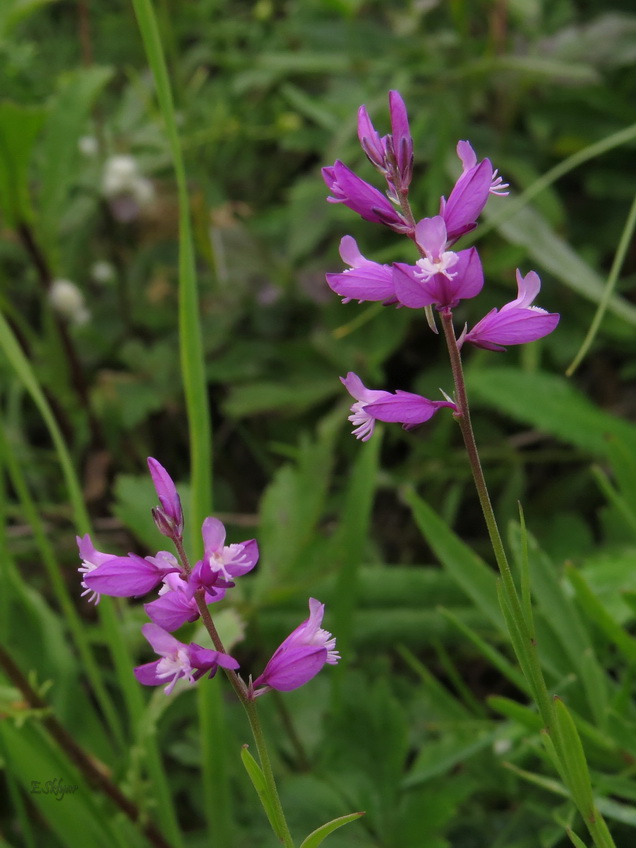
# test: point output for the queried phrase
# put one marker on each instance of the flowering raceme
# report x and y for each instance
(185, 594)
(440, 278)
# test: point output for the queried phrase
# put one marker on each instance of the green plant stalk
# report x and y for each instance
(249, 705)
(112, 630)
(516, 617)
(266, 766)
(191, 345)
(194, 384)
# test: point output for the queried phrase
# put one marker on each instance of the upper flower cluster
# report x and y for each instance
(441, 277)
(182, 589)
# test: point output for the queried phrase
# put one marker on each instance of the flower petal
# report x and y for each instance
(213, 532)
(406, 408)
(293, 669)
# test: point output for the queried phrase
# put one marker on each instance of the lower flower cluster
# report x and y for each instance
(183, 592)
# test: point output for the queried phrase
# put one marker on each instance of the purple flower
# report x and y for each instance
(404, 408)
(365, 280)
(175, 605)
(346, 187)
(124, 577)
(221, 563)
(169, 516)
(515, 323)
(392, 154)
(301, 656)
(441, 277)
(91, 559)
(469, 196)
(178, 660)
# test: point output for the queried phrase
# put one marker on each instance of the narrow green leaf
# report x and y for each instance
(213, 734)
(524, 569)
(597, 613)
(560, 612)
(347, 546)
(551, 404)
(317, 836)
(12, 12)
(191, 345)
(19, 127)
(495, 657)
(260, 785)
(524, 716)
(471, 573)
(575, 840)
(572, 757)
(610, 285)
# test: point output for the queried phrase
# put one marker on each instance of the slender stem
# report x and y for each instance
(266, 766)
(249, 705)
(463, 418)
(95, 772)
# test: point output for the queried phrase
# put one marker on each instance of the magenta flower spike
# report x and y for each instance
(125, 577)
(169, 516)
(517, 322)
(175, 605)
(404, 408)
(441, 277)
(370, 141)
(346, 187)
(221, 563)
(364, 280)
(400, 139)
(301, 656)
(178, 660)
(471, 191)
(91, 559)
(392, 154)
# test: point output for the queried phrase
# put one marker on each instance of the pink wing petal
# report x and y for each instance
(213, 532)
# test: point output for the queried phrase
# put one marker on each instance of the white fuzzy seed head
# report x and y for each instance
(102, 271)
(88, 146)
(68, 301)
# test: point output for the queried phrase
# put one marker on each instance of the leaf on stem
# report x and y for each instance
(317, 836)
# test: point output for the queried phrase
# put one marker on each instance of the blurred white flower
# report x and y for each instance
(66, 298)
(88, 146)
(124, 186)
(501, 746)
(102, 271)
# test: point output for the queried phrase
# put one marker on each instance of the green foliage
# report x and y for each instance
(427, 724)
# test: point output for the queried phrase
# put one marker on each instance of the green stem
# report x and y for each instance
(519, 622)
(266, 766)
(510, 592)
(249, 705)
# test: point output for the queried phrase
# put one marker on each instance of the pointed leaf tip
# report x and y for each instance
(316, 838)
